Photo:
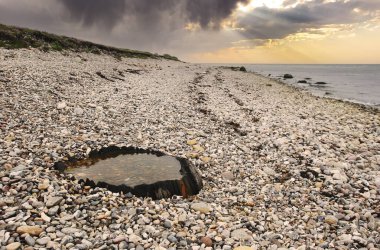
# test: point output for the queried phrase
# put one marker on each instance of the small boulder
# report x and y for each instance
(243, 69)
(288, 76)
(321, 83)
(302, 81)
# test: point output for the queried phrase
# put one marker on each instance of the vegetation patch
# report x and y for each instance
(17, 38)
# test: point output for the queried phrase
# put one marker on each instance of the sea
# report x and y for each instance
(358, 83)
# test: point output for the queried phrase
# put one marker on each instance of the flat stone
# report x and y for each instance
(228, 175)
(78, 111)
(269, 171)
(167, 224)
(329, 219)
(182, 218)
(61, 105)
(70, 230)
(30, 240)
(198, 148)
(346, 238)
(45, 217)
(134, 238)
(191, 142)
(118, 239)
(241, 234)
(207, 241)
(13, 246)
(53, 201)
(201, 207)
(53, 210)
(43, 241)
(44, 185)
(32, 230)
(205, 159)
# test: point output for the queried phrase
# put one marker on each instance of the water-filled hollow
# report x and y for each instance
(144, 173)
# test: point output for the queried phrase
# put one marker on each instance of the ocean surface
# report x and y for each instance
(355, 83)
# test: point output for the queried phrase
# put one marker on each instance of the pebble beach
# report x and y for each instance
(281, 168)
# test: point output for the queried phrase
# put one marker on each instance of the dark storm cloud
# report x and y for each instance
(95, 11)
(207, 12)
(109, 12)
(158, 25)
(266, 23)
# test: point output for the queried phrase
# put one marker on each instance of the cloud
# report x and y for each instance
(106, 13)
(159, 25)
(210, 12)
(267, 23)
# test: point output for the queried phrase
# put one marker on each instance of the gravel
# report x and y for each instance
(282, 169)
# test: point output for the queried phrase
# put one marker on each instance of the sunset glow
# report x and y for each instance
(267, 31)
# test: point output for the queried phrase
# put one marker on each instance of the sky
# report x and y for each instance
(215, 31)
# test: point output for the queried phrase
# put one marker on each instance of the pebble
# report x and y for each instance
(331, 220)
(78, 111)
(201, 207)
(61, 105)
(43, 241)
(13, 246)
(45, 217)
(53, 201)
(172, 239)
(167, 224)
(30, 240)
(241, 235)
(207, 241)
(32, 230)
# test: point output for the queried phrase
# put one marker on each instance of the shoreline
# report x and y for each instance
(281, 168)
(350, 83)
(364, 106)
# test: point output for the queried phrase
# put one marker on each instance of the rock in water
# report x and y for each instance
(243, 69)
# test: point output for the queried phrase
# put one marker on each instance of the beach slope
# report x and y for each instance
(280, 167)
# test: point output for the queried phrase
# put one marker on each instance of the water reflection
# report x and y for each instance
(130, 169)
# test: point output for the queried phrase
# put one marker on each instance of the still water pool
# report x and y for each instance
(130, 169)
